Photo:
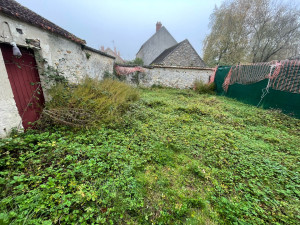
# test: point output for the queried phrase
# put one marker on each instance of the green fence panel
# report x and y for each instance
(250, 94)
(220, 77)
(287, 102)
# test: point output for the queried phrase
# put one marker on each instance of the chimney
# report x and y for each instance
(102, 48)
(119, 53)
(115, 50)
(158, 26)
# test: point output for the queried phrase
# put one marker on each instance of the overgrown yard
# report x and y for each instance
(177, 158)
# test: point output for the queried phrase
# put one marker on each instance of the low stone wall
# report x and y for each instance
(176, 77)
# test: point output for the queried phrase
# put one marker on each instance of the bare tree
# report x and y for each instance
(252, 31)
(228, 38)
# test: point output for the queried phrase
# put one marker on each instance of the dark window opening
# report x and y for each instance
(19, 30)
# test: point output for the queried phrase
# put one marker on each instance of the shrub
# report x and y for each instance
(136, 61)
(203, 88)
(159, 86)
(90, 103)
(113, 76)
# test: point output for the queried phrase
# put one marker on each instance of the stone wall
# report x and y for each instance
(59, 52)
(176, 77)
(97, 64)
(184, 55)
(71, 59)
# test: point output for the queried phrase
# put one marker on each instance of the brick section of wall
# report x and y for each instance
(184, 55)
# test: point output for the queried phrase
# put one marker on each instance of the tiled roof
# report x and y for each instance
(183, 67)
(14, 9)
(170, 67)
(97, 51)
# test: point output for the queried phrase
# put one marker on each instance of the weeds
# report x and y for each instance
(203, 88)
(178, 159)
(90, 103)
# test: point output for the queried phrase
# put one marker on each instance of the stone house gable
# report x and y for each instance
(118, 59)
(182, 54)
(155, 45)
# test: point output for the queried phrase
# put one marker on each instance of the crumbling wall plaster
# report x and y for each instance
(55, 51)
(58, 52)
(97, 64)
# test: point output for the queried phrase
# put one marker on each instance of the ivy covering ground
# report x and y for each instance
(178, 158)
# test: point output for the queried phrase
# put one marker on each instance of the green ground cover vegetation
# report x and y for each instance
(177, 157)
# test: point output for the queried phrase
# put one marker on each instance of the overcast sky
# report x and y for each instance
(127, 24)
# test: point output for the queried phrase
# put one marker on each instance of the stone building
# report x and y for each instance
(156, 44)
(114, 53)
(162, 49)
(43, 46)
(181, 54)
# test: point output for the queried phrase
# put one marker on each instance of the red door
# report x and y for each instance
(25, 82)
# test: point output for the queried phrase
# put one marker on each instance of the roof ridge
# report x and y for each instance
(97, 51)
(14, 9)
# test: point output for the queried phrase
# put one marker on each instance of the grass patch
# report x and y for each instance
(175, 159)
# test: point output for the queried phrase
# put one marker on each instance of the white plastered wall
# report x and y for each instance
(9, 115)
(55, 51)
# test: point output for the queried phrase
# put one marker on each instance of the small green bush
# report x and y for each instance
(90, 103)
(113, 76)
(159, 86)
(136, 61)
(203, 88)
